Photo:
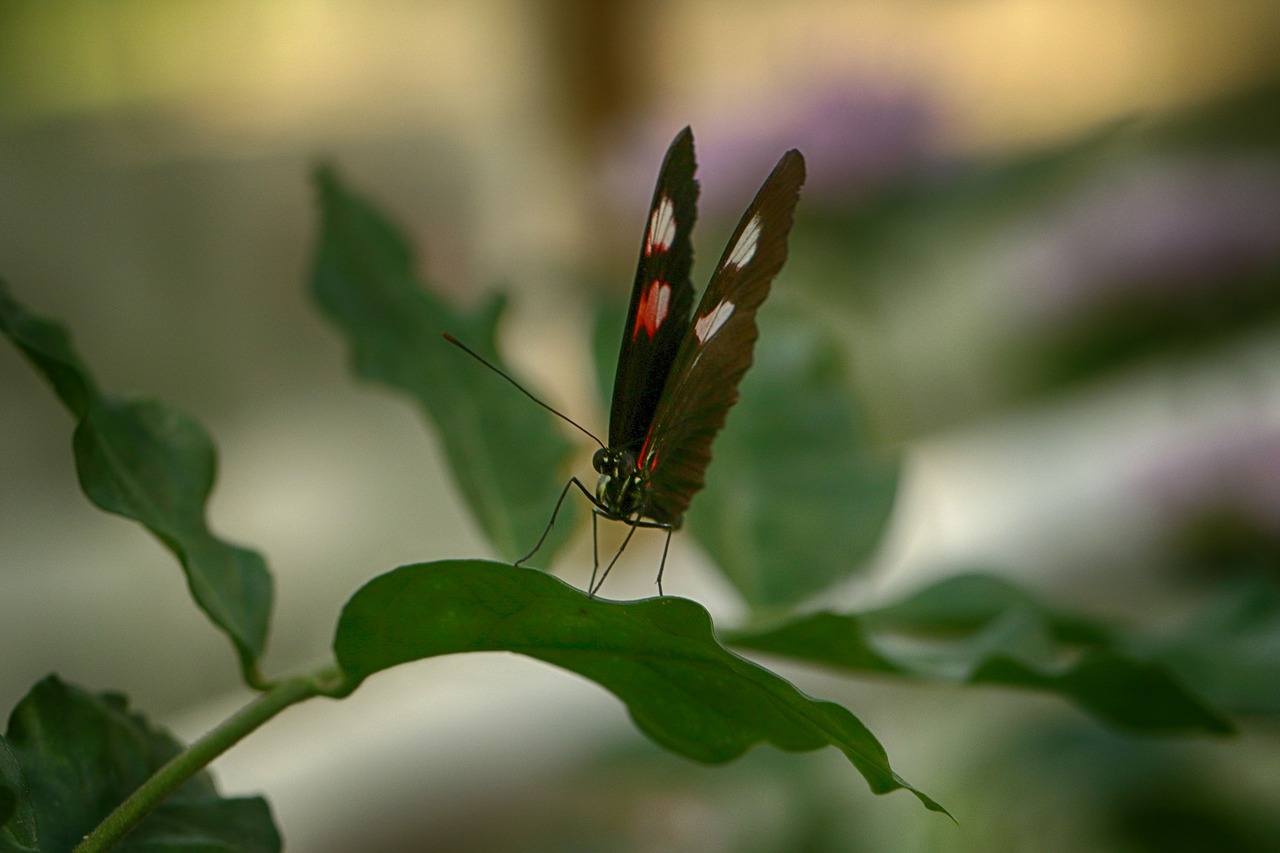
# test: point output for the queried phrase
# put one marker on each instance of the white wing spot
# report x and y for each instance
(664, 299)
(662, 227)
(745, 249)
(707, 326)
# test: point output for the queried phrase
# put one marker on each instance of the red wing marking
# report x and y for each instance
(653, 308)
(647, 464)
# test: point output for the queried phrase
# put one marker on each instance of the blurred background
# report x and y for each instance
(1047, 234)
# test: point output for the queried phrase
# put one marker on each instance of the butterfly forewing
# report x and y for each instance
(661, 299)
(717, 348)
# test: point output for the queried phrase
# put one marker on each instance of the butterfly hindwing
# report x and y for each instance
(661, 298)
(717, 347)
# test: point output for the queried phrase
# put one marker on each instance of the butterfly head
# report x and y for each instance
(621, 486)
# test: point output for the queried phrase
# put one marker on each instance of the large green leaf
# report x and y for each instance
(503, 449)
(142, 460)
(81, 754)
(974, 629)
(659, 656)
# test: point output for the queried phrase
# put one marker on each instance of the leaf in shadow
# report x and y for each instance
(80, 755)
(17, 813)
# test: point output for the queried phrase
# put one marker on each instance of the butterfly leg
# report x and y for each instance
(595, 587)
(573, 481)
(663, 564)
(658, 525)
(634, 524)
(595, 549)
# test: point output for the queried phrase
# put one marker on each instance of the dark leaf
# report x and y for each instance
(82, 754)
(17, 814)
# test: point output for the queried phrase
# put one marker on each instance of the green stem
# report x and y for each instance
(198, 755)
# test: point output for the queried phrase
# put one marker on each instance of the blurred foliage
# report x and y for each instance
(1239, 121)
(800, 498)
(978, 630)
(1058, 268)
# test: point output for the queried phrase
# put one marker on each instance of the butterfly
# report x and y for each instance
(679, 368)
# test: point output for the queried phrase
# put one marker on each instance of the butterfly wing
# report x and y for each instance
(717, 349)
(661, 298)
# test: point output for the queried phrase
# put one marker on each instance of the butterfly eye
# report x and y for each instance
(602, 462)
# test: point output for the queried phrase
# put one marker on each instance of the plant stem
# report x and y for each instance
(198, 755)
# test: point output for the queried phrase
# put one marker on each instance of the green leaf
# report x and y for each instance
(795, 496)
(973, 629)
(142, 460)
(81, 754)
(500, 445)
(683, 689)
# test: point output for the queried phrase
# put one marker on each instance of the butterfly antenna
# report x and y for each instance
(460, 345)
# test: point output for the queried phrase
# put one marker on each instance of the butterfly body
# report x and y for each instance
(679, 367)
(622, 489)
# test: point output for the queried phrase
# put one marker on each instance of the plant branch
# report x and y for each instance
(198, 755)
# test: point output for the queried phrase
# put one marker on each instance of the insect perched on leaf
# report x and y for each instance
(679, 369)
